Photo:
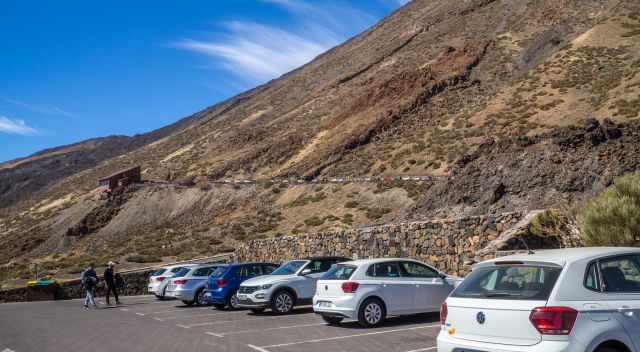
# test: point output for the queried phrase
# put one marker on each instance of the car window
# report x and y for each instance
(175, 270)
(412, 269)
(240, 271)
(388, 269)
(340, 272)
(268, 269)
(182, 272)
(621, 274)
(289, 268)
(518, 282)
(159, 272)
(317, 266)
(205, 271)
(253, 270)
(591, 280)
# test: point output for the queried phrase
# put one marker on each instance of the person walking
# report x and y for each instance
(89, 280)
(109, 279)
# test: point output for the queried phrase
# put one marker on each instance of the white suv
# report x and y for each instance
(369, 290)
(569, 300)
(291, 284)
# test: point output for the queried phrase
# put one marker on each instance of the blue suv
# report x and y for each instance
(224, 282)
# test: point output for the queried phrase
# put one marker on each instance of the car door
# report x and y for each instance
(621, 283)
(398, 292)
(313, 270)
(429, 289)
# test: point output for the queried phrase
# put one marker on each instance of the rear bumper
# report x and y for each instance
(216, 296)
(345, 306)
(183, 295)
(446, 343)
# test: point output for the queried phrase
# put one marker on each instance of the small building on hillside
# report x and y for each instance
(121, 178)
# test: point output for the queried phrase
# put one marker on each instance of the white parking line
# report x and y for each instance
(238, 321)
(223, 334)
(265, 348)
(187, 316)
(424, 349)
(140, 314)
(178, 310)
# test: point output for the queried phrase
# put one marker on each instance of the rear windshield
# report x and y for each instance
(339, 272)
(182, 272)
(159, 272)
(205, 271)
(175, 270)
(516, 282)
(221, 270)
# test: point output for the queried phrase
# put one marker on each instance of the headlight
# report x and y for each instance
(266, 287)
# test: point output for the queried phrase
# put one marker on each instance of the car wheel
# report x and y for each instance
(607, 349)
(331, 320)
(189, 303)
(257, 310)
(200, 299)
(371, 313)
(232, 301)
(282, 302)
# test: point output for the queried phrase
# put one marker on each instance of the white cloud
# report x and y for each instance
(41, 109)
(258, 52)
(15, 126)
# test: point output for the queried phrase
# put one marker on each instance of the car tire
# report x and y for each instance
(219, 306)
(282, 302)
(257, 310)
(189, 303)
(232, 301)
(199, 298)
(607, 349)
(371, 313)
(332, 320)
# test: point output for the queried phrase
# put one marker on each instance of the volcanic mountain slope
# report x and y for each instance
(480, 92)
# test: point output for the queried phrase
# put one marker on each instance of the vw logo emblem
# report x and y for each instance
(326, 287)
(481, 318)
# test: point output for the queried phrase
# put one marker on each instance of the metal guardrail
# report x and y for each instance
(196, 260)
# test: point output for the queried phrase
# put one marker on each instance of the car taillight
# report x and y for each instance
(221, 282)
(444, 311)
(350, 287)
(160, 278)
(180, 282)
(554, 320)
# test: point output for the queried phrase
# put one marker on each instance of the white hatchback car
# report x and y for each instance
(370, 290)
(569, 300)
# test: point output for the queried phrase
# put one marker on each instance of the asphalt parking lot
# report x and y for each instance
(143, 323)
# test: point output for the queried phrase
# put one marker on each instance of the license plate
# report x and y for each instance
(242, 296)
(324, 304)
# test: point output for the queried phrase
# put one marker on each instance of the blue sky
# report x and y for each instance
(74, 70)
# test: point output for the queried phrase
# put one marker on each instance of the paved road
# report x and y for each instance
(144, 324)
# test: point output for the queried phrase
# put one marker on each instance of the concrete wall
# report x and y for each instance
(450, 244)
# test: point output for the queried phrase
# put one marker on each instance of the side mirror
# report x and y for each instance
(443, 276)
(305, 272)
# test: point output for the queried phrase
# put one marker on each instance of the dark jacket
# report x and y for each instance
(89, 278)
(109, 277)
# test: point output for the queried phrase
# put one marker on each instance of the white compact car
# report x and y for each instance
(370, 290)
(293, 283)
(159, 280)
(569, 300)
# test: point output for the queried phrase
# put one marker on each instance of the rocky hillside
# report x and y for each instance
(506, 100)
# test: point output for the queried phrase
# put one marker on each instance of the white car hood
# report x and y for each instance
(267, 279)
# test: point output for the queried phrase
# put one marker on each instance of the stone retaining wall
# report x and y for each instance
(136, 284)
(450, 244)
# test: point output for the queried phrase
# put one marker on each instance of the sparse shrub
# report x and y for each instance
(347, 219)
(613, 218)
(314, 221)
(377, 213)
(351, 204)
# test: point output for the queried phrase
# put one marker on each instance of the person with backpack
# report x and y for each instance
(109, 279)
(89, 280)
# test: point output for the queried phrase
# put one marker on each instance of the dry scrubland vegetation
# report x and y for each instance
(494, 95)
